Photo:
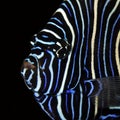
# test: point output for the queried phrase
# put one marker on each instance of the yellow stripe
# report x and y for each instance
(92, 50)
(96, 106)
(117, 52)
(93, 38)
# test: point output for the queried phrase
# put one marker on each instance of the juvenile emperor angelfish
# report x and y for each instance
(73, 68)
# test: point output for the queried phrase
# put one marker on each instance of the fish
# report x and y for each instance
(73, 68)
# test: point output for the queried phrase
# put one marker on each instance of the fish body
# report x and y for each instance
(75, 61)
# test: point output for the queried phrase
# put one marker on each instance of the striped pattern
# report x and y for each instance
(80, 42)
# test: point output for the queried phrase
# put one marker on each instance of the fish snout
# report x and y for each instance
(28, 65)
(28, 71)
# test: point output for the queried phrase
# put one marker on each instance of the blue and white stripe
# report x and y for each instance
(79, 46)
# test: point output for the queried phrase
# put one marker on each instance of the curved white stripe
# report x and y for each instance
(38, 72)
(93, 38)
(43, 42)
(88, 111)
(51, 72)
(81, 102)
(92, 48)
(30, 77)
(58, 28)
(77, 27)
(45, 111)
(45, 99)
(69, 57)
(83, 29)
(117, 52)
(72, 106)
(36, 55)
(38, 79)
(104, 47)
(51, 32)
(59, 108)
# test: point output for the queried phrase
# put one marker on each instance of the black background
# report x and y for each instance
(20, 21)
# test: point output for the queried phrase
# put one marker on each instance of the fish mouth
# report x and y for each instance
(26, 69)
(28, 65)
(29, 70)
